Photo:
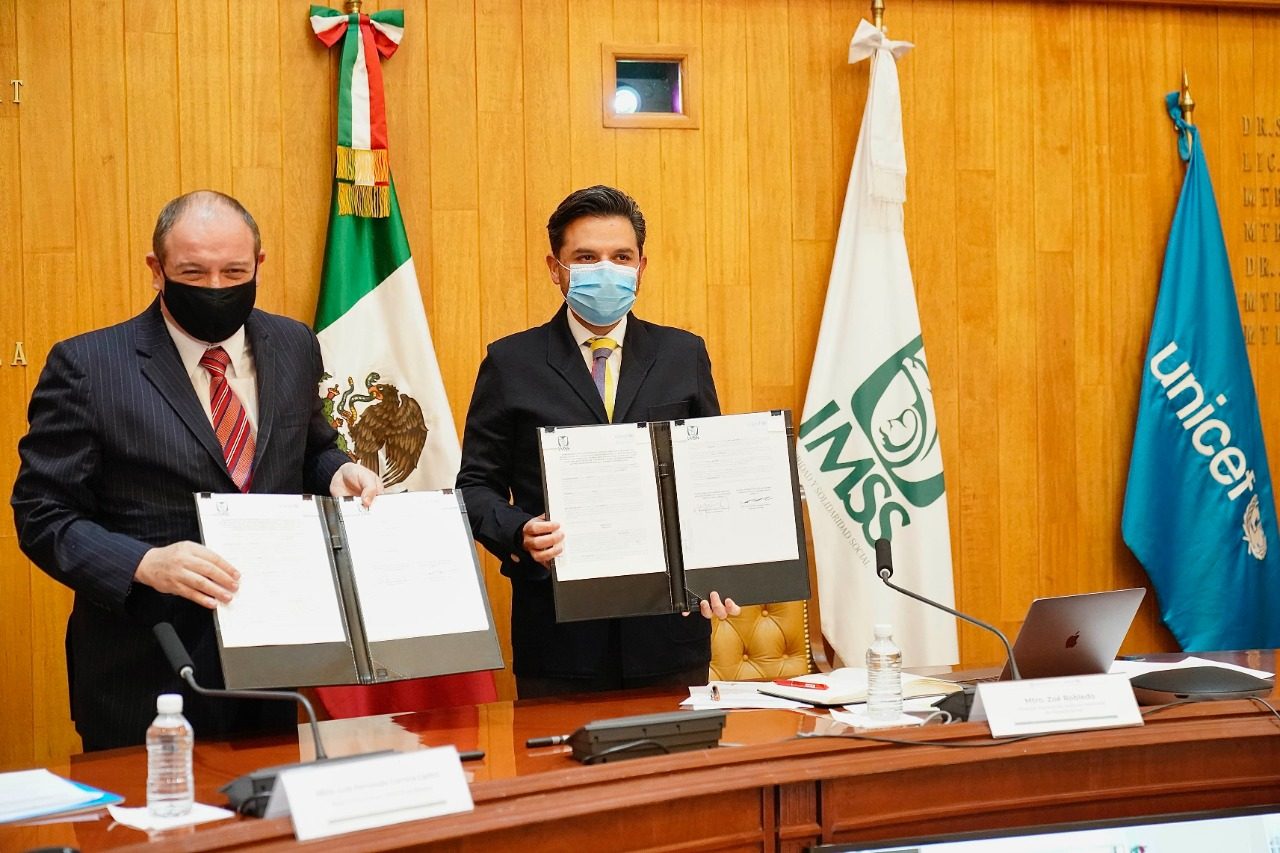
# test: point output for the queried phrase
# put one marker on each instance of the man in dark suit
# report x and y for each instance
(200, 392)
(594, 362)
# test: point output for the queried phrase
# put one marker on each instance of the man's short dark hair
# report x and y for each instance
(594, 201)
(173, 211)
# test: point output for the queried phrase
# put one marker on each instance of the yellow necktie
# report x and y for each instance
(601, 372)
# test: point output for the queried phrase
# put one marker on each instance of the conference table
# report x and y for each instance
(770, 786)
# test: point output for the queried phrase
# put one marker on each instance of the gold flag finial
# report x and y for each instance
(877, 14)
(1185, 101)
(351, 7)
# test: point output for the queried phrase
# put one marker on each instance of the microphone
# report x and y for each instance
(180, 660)
(249, 793)
(884, 568)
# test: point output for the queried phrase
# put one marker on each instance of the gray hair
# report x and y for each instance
(173, 211)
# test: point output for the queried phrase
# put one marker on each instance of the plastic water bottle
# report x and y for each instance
(884, 677)
(170, 780)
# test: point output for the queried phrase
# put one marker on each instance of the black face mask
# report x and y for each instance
(210, 314)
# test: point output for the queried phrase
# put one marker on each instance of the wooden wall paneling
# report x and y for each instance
(54, 307)
(814, 186)
(204, 95)
(1015, 372)
(773, 380)
(593, 156)
(17, 713)
(1147, 177)
(930, 116)
(307, 96)
(547, 175)
(1055, 285)
(1266, 360)
(730, 258)
(504, 298)
(1099, 485)
(152, 155)
(974, 462)
(639, 170)
(504, 293)
(684, 187)
(454, 193)
(257, 132)
(100, 197)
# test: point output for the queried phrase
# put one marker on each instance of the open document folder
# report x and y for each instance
(848, 686)
(333, 592)
(657, 515)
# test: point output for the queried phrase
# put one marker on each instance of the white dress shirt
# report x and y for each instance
(582, 334)
(241, 374)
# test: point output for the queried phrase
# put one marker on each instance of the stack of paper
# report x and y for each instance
(37, 793)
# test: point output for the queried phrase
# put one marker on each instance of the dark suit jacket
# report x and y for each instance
(118, 442)
(539, 378)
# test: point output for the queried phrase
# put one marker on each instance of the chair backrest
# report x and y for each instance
(764, 641)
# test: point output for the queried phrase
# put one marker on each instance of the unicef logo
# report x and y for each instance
(1253, 532)
(894, 407)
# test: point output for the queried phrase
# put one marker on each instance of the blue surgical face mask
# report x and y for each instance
(601, 293)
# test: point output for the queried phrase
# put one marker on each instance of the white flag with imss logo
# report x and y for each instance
(869, 456)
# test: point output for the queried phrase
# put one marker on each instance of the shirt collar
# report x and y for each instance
(191, 350)
(581, 334)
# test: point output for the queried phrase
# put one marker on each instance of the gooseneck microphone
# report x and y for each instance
(884, 568)
(180, 660)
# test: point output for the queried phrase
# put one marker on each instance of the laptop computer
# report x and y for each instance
(1074, 634)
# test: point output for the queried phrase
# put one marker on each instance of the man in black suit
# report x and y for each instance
(594, 362)
(200, 392)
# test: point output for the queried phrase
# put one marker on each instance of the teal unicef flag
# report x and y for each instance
(1198, 511)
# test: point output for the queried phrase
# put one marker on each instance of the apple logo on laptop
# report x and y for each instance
(1073, 639)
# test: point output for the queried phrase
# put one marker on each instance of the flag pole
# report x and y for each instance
(351, 7)
(877, 14)
(1185, 102)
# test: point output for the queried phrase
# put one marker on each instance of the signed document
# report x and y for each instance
(733, 488)
(600, 487)
(333, 592)
(656, 516)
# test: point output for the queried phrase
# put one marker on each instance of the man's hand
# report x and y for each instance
(712, 606)
(190, 570)
(354, 479)
(543, 539)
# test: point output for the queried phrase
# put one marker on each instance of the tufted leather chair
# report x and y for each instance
(764, 641)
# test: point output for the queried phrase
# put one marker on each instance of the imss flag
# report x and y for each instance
(1198, 511)
(868, 453)
(382, 390)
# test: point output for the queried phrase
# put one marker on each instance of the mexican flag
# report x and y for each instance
(868, 453)
(382, 387)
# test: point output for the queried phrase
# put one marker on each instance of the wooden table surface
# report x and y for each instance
(772, 790)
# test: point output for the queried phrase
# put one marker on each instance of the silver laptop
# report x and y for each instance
(1074, 634)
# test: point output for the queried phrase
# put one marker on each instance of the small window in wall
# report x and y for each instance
(649, 86)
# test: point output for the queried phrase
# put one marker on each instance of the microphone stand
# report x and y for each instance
(885, 572)
(188, 675)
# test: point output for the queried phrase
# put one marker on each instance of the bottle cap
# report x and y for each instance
(883, 630)
(169, 703)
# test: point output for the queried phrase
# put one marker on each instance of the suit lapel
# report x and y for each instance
(564, 357)
(638, 355)
(267, 368)
(163, 368)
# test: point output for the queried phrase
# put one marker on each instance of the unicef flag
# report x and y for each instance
(1199, 512)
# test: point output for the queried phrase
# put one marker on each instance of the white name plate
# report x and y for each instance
(331, 799)
(1040, 705)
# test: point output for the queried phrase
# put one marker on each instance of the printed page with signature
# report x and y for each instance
(734, 490)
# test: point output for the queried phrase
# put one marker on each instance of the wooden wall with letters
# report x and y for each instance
(1043, 178)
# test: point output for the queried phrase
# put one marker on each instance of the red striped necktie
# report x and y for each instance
(230, 421)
